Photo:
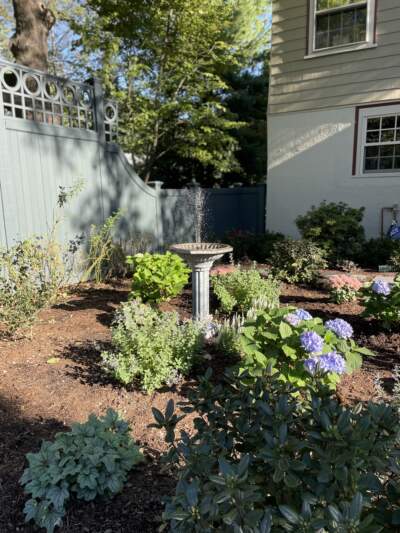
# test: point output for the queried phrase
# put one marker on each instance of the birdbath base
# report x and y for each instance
(201, 257)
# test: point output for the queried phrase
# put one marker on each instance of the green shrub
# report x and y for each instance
(276, 339)
(336, 228)
(242, 290)
(297, 261)
(377, 252)
(32, 273)
(93, 459)
(228, 339)
(382, 302)
(262, 461)
(151, 346)
(253, 246)
(157, 277)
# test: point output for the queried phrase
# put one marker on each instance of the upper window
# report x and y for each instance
(379, 141)
(341, 24)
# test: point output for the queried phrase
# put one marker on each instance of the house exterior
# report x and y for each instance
(334, 109)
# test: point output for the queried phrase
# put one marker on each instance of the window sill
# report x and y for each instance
(341, 50)
(379, 175)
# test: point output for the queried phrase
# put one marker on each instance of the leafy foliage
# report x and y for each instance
(334, 227)
(253, 246)
(274, 339)
(93, 459)
(151, 346)
(263, 459)
(30, 280)
(377, 252)
(242, 290)
(383, 307)
(297, 261)
(33, 271)
(157, 277)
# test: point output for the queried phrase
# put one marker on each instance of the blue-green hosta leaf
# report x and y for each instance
(30, 509)
(58, 496)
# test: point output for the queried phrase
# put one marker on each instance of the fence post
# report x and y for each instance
(99, 109)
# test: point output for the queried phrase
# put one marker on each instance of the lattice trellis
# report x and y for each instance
(39, 97)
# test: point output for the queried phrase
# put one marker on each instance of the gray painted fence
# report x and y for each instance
(54, 132)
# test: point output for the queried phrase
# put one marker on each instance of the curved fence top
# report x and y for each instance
(29, 94)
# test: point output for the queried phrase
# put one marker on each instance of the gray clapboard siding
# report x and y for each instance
(351, 78)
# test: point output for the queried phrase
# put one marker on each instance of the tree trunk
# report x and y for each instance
(34, 21)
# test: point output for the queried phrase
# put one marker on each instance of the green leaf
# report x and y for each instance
(285, 330)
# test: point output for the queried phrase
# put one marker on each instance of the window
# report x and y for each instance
(379, 141)
(341, 24)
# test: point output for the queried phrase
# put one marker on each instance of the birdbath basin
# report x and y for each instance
(200, 257)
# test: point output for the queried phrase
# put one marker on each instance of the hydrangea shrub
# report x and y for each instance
(295, 344)
(151, 346)
(93, 459)
(381, 301)
(344, 288)
(263, 459)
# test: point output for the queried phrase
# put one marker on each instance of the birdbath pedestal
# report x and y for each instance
(201, 257)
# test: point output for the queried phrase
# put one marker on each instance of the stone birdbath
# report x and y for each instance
(200, 257)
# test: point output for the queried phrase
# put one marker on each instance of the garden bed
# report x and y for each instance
(53, 378)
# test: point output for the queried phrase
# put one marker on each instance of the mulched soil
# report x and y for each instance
(38, 398)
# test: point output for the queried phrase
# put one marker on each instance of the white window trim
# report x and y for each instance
(364, 114)
(368, 43)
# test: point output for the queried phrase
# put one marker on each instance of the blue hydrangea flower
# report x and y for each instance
(331, 362)
(311, 365)
(339, 326)
(381, 287)
(303, 314)
(292, 319)
(311, 342)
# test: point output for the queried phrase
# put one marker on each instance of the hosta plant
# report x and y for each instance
(264, 459)
(93, 459)
(382, 302)
(157, 277)
(288, 337)
(150, 346)
(344, 288)
(242, 290)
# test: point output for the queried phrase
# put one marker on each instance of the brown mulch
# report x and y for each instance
(53, 377)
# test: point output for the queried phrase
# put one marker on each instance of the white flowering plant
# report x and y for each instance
(297, 345)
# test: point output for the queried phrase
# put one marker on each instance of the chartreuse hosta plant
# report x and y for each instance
(266, 459)
(296, 345)
(157, 277)
(382, 302)
(93, 459)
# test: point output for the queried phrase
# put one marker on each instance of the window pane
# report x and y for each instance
(322, 39)
(387, 136)
(372, 136)
(387, 151)
(371, 164)
(388, 122)
(374, 123)
(372, 151)
(397, 163)
(385, 163)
